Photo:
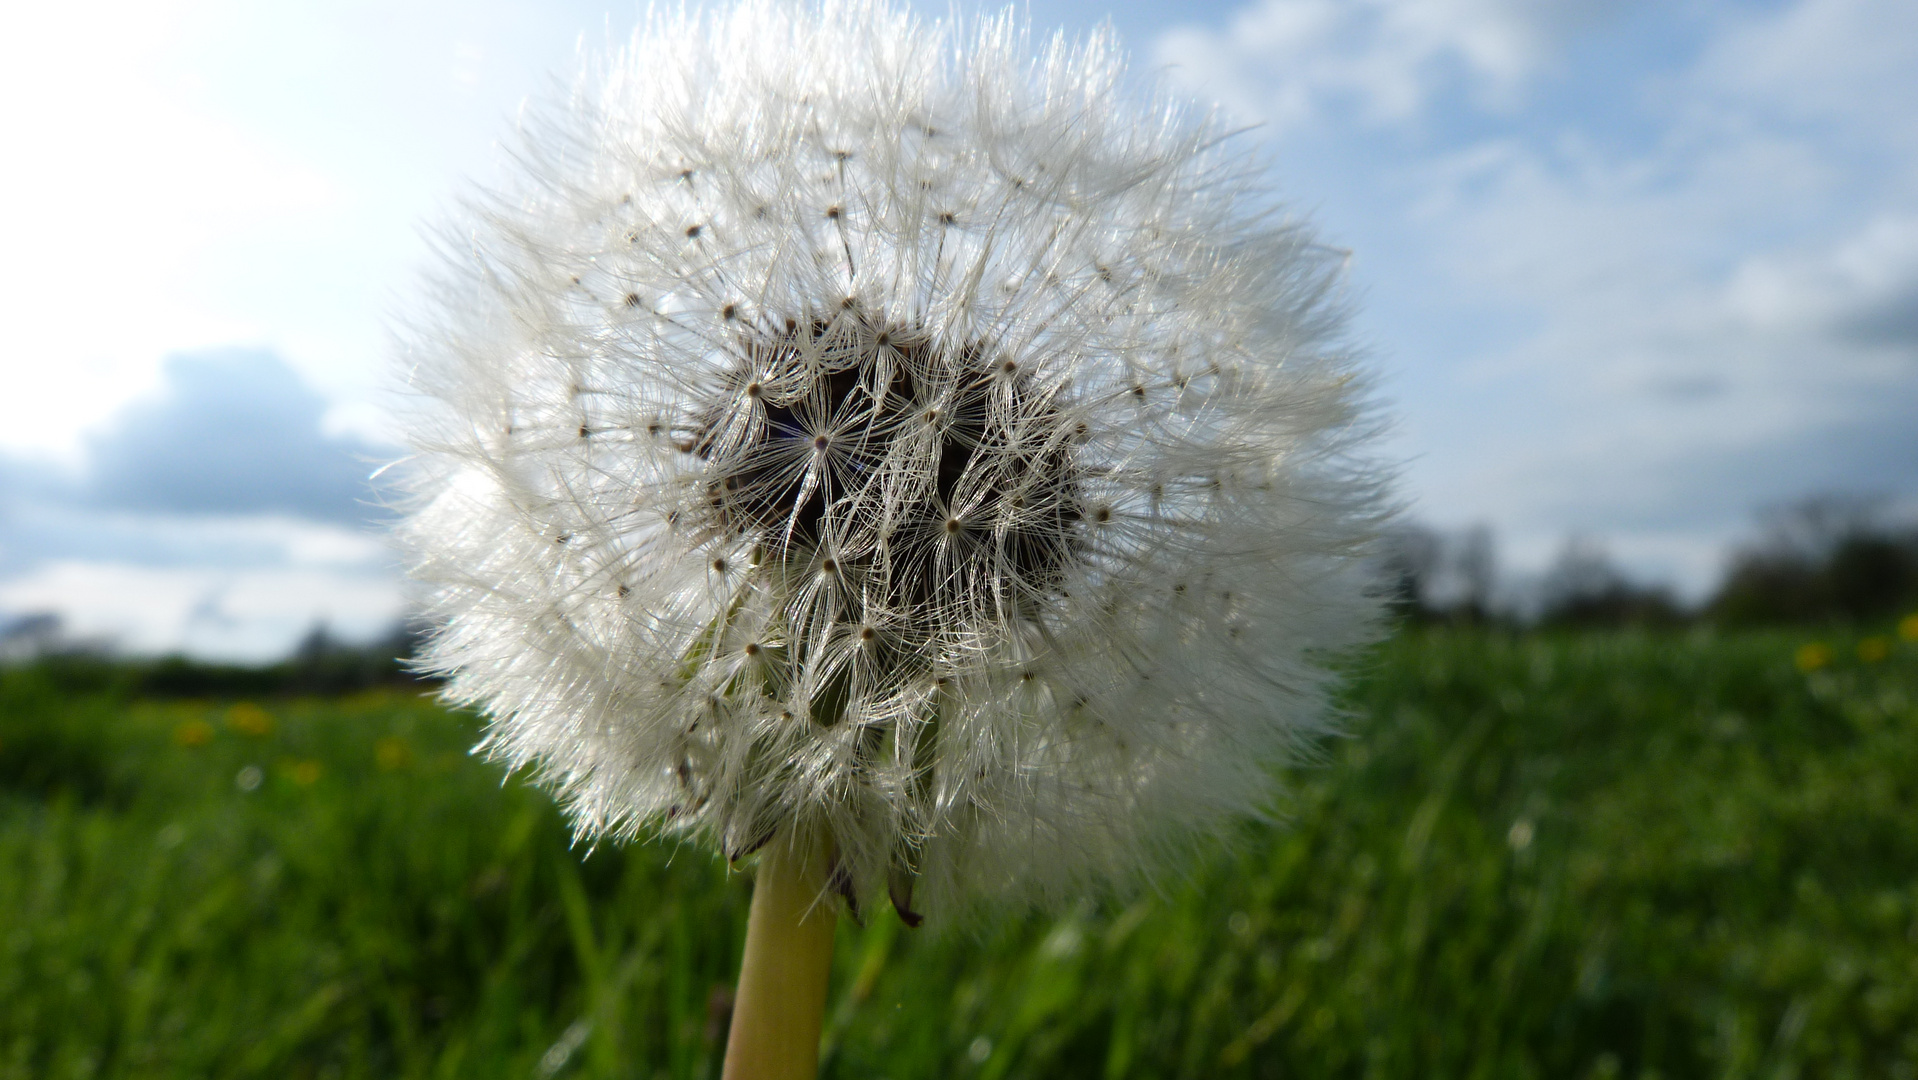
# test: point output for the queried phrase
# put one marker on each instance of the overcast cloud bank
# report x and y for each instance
(215, 515)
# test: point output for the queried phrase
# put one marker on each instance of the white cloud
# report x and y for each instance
(191, 173)
(1846, 63)
(1698, 283)
(252, 614)
(1859, 286)
(184, 174)
(116, 185)
(1289, 61)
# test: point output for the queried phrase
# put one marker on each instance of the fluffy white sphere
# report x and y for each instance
(839, 431)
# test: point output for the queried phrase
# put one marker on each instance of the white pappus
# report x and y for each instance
(839, 429)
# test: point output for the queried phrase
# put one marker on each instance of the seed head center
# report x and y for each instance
(994, 443)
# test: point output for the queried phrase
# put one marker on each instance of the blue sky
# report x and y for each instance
(1627, 270)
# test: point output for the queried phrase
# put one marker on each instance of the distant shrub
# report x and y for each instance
(1431, 576)
(1585, 589)
(1824, 560)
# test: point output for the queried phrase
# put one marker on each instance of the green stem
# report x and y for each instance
(781, 1000)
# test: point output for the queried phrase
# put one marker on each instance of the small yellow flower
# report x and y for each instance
(392, 753)
(249, 719)
(1908, 627)
(1813, 655)
(1873, 649)
(193, 733)
(305, 773)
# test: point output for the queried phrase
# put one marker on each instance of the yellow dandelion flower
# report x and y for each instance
(1873, 649)
(392, 753)
(249, 719)
(193, 733)
(1813, 655)
(1908, 627)
(305, 773)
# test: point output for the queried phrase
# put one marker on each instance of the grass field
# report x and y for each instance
(1605, 855)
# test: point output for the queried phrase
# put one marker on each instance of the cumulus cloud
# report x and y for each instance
(215, 515)
(231, 432)
(241, 587)
(1689, 276)
(1291, 61)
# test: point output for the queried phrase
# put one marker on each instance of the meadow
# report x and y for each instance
(1669, 854)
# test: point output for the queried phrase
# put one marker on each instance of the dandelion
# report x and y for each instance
(392, 752)
(1812, 655)
(932, 468)
(193, 733)
(304, 773)
(249, 719)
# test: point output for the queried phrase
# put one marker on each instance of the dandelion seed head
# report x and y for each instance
(851, 426)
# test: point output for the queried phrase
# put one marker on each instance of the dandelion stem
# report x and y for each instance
(782, 980)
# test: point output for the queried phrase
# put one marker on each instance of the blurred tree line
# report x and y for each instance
(1824, 560)
(320, 664)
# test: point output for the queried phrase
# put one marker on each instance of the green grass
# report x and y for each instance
(1583, 856)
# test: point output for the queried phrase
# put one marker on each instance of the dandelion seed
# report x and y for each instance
(1519, 836)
